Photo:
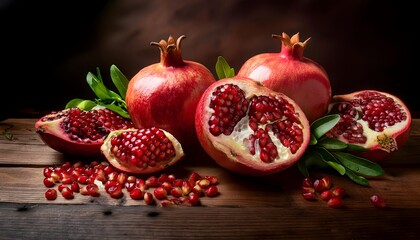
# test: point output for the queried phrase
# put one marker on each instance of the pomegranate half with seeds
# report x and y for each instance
(251, 129)
(77, 132)
(142, 151)
(377, 121)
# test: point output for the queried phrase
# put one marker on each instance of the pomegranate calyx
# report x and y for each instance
(170, 51)
(291, 47)
(387, 143)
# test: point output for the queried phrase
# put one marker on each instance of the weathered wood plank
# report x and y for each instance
(145, 222)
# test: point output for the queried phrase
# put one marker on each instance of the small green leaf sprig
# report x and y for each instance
(223, 69)
(324, 152)
(104, 96)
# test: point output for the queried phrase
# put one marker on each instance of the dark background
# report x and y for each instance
(48, 47)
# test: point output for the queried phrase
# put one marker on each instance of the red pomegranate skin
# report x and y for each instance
(165, 94)
(293, 74)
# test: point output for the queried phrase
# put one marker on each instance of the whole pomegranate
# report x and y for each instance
(377, 121)
(250, 129)
(289, 72)
(165, 94)
(77, 132)
(142, 151)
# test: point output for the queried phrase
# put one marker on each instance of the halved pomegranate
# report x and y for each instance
(142, 151)
(250, 129)
(76, 132)
(377, 121)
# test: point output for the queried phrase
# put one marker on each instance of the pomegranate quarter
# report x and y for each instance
(377, 121)
(142, 151)
(250, 129)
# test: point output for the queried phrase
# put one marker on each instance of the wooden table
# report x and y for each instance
(268, 207)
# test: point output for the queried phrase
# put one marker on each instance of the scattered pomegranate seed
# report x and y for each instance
(211, 191)
(51, 194)
(166, 189)
(309, 196)
(136, 194)
(326, 195)
(67, 193)
(378, 201)
(335, 202)
(339, 192)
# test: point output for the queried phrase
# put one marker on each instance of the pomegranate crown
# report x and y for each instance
(291, 46)
(170, 51)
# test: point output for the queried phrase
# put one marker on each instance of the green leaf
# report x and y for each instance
(8, 135)
(313, 140)
(324, 124)
(357, 178)
(359, 165)
(332, 144)
(223, 69)
(119, 80)
(354, 147)
(302, 167)
(81, 104)
(97, 86)
(331, 160)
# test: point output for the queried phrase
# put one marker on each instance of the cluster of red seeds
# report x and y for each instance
(165, 190)
(323, 188)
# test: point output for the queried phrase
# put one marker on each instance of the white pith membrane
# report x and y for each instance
(106, 150)
(238, 143)
(384, 140)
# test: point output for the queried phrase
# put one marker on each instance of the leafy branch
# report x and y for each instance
(104, 96)
(324, 152)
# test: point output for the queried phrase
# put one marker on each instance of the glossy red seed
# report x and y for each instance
(51, 194)
(211, 191)
(335, 202)
(378, 201)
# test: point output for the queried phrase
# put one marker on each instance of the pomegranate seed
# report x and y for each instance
(326, 182)
(122, 178)
(197, 189)
(194, 199)
(378, 201)
(162, 178)
(166, 203)
(47, 172)
(177, 183)
(130, 186)
(160, 193)
(92, 190)
(82, 179)
(51, 194)
(309, 196)
(114, 189)
(194, 177)
(148, 198)
(203, 183)
(152, 181)
(213, 180)
(176, 192)
(171, 178)
(307, 190)
(319, 185)
(67, 193)
(136, 194)
(335, 202)
(61, 187)
(166, 185)
(186, 187)
(211, 191)
(326, 195)
(75, 187)
(49, 182)
(307, 182)
(339, 192)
